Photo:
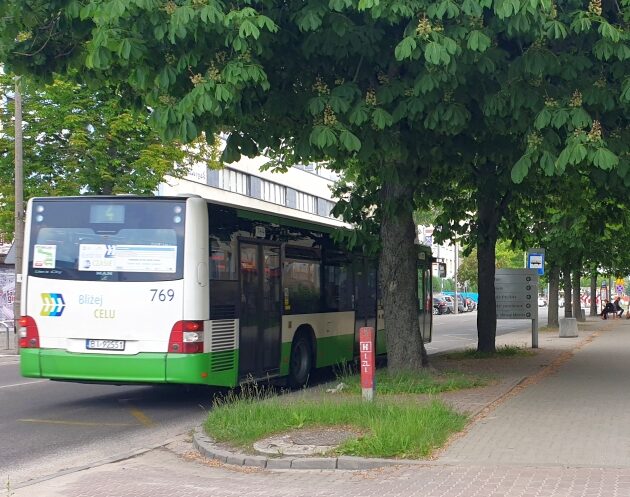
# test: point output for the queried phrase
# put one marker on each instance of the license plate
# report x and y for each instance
(92, 344)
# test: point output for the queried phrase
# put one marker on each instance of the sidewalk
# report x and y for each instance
(556, 425)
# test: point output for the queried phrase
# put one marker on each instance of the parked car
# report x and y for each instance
(471, 305)
(451, 301)
(542, 301)
(440, 306)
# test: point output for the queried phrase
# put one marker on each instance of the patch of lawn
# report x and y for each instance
(390, 429)
(422, 382)
(504, 351)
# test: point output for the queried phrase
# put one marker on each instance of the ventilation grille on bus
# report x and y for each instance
(222, 312)
(223, 344)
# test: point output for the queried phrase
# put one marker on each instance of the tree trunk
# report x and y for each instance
(554, 286)
(399, 280)
(593, 311)
(577, 302)
(488, 216)
(566, 282)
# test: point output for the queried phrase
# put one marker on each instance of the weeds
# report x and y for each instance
(417, 382)
(504, 351)
(390, 429)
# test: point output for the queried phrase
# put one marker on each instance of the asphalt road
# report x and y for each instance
(456, 331)
(47, 426)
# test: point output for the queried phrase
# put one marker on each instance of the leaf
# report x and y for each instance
(316, 105)
(322, 137)
(603, 49)
(209, 14)
(350, 141)
(367, 4)
(381, 118)
(625, 91)
(222, 94)
(577, 153)
(547, 163)
(609, 32)
(435, 54)
(580, 118)
(309, 20)
(478, 41)
(556, 30)
(560, 118)
(520, 169)
(543, 119)
(358, 115)
(405, 48)
(125, 49)
(248, 29)
(605, 159)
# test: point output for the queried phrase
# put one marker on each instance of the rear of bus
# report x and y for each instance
(115, 289)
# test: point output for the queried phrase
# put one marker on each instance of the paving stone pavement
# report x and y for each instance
(563, 432)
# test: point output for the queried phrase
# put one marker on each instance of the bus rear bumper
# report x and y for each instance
(57, 364)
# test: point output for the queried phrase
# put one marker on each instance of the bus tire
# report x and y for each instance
(301, 361)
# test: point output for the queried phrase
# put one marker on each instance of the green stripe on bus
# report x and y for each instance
(330, 351)
(29, 363)
(201, 369)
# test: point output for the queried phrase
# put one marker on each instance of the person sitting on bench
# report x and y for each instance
(617, 306)
(608, 308)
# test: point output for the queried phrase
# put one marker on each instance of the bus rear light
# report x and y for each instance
(186, 338)
(29, 334)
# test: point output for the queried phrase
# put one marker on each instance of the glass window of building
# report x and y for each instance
(272, 192)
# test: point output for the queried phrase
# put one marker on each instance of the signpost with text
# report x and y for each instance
(367, 358)
(516, 293)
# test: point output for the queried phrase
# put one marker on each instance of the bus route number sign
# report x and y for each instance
(367, 357)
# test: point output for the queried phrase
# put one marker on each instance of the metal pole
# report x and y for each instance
(455, 279)
(19, 203)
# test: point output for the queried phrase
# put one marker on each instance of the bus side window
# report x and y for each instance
(338, 285)
(222, 261)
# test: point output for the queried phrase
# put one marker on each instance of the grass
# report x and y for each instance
(423, 382)
(389, 429)
(504, 351)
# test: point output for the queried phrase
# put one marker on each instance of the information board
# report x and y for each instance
(516, 294)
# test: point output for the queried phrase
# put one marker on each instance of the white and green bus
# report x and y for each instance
(180, 289)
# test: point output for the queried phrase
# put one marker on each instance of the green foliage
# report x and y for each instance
(77, 140)
(414, 382)
(504, 351)
(471, 103)
(402, 429)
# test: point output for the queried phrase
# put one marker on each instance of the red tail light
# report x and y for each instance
(29, 335)
(186, 338)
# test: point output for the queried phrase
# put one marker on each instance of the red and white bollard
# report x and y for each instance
(367, 356)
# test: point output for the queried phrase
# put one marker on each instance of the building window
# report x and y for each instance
(233, 181)
(306, 202)
(324, 207)
(272, 192)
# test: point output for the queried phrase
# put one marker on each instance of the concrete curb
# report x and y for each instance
(206, 446)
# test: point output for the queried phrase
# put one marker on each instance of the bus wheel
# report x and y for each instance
(301, 361)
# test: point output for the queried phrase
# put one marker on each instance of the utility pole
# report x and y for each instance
(18, 242)
(455, 279)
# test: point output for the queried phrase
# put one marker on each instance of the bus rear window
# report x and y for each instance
(117, 240)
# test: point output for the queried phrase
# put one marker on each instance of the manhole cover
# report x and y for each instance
(304, 442)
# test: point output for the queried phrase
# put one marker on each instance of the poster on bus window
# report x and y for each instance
(44, 256)
(128, 258)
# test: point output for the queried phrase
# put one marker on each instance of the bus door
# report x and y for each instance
(259, 347)
(365, 284)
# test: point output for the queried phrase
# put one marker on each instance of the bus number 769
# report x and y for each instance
(162, 295)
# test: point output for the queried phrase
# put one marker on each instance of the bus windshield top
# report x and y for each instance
(107, 239)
